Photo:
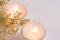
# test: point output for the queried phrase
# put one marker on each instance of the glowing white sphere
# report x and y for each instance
(33, 31)
(12, 7)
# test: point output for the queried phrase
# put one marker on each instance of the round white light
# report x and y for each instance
(15, 9)
(33, 31)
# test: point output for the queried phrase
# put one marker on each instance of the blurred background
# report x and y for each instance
(47, 12)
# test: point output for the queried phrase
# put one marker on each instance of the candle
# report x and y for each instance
(33, 31)
(13, 9)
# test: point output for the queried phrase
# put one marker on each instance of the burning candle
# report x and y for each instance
(14, 9)
(33, 31)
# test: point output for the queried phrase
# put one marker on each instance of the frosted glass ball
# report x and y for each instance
(33, 30)
(11, 12)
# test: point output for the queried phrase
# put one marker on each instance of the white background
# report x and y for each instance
(45, 11)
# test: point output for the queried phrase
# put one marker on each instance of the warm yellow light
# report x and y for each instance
(35, 30)
(15, 8)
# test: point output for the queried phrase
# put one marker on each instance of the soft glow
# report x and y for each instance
(33, 31)
(12, 19)
(13, 11)
(15, 8)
